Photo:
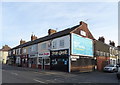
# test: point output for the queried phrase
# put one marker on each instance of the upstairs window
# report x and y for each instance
(54, 46)
(97, 53)
(82, 32)
(43, 46)
(61, 43)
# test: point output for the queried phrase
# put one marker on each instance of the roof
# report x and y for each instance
(48, 37)
(5, 48)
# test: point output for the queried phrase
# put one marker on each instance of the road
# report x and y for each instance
(13, 74)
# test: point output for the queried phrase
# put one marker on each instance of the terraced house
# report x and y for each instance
(73, 49)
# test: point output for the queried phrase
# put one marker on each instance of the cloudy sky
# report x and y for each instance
(21, 19)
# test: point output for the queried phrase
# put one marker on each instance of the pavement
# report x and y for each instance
(13, 74)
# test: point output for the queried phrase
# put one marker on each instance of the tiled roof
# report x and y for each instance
(48, 37)
(5, 48)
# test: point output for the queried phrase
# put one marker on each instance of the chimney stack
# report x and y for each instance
(81, 23)
(51, 31)
(102, 39)
(112, 43)
(22, 41)
(33, 37)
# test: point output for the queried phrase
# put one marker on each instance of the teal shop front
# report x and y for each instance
(59, 60)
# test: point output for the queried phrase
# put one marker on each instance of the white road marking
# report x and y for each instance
(38, 81)
(14, 74)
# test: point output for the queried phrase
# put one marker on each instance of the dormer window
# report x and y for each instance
(82, 32)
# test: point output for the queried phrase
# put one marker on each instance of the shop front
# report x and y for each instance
(32, 60)
(82, 64)
(18, 61)
(113, 60)
(24, 60)
(59, 60)
(44, 60)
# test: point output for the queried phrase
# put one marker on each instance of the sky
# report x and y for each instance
(21, 19)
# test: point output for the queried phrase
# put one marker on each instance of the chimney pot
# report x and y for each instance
(51, 31)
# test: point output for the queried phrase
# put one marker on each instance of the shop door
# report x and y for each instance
(43, 64)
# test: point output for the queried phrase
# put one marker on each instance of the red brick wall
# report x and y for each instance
(83, 27)
(101, 62)
(47, 67)
(33, 65)
(39, 66)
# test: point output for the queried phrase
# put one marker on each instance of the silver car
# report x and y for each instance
(111, 68)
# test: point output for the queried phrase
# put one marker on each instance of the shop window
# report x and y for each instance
(47, 61)
(40, 61)
(114, 62)
(61, 43)
(54, 61)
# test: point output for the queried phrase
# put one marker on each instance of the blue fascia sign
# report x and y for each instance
(81, 46)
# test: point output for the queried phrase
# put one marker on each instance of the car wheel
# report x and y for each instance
(113, 70)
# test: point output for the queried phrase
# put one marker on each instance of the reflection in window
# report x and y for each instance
(47, 61)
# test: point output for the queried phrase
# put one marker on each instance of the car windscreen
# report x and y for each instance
(110, 66)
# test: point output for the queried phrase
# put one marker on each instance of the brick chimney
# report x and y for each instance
(81, 23)
(33, 37)
(102, 39)
(22, 41)
(112, 43)
(51, 31)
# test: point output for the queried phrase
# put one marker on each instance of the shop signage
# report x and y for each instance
(25, 56)
(33, 56)
(58, 53)
(44, 54)
(75, 57)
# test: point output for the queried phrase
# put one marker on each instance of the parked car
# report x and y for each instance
(111, 68)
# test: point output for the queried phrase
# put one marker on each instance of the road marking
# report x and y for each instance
(38, 81)
(41, 73)
(14, 74)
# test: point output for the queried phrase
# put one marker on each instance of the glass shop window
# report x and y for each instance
(47, 61)
(54, 61)
(40, 60)
(114, 62)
